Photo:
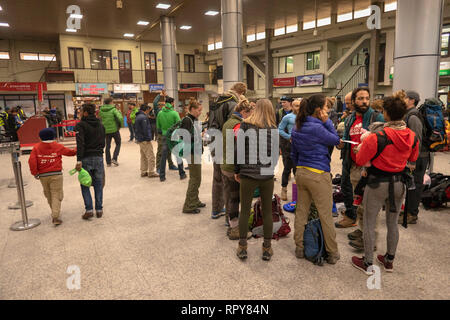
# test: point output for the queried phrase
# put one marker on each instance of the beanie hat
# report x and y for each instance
(47, 134)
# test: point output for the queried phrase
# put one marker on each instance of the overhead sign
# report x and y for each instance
(284, 82)
(91, 89)
(156, 87)
(127, 88)
(188, 87)
(23, 86)
(310, 80)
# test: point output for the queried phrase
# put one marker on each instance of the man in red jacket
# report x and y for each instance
(46, 165)
(389, 151)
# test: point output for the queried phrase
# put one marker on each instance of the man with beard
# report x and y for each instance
(355, 125)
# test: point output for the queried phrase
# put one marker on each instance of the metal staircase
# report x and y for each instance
(358, 77)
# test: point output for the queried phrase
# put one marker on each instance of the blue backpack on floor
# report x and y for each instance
(313, 242)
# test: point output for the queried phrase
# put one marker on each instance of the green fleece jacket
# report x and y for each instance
(166, 118)
(111, 118)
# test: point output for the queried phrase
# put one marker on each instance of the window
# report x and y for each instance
(309, 25)
(390, 6)
(260, 35)
(445, 41)
(76, 58)
(4, 55)
(251, 37)
(32, 56)
(211, 47)
(362, 13)
(324, 22)
(279, 32)
(286, 65)
(189, 63)
(313, 60)
(292, 28)
(218, 45)
(345, 17)
(101, 59)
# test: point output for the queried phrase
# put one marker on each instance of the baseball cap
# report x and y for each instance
(285, 98)
(413, 95)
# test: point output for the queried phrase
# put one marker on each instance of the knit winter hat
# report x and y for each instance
(47, 134)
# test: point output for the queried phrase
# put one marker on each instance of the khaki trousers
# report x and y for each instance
(315, 187)
(147, 157)
(53, 191)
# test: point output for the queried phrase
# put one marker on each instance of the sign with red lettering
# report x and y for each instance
(23, 86)
(91, 89)
(187, 87)
(284, 82)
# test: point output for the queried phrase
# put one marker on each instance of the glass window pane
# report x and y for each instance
(282, 65)
(211, 47)
(29, 56)
(4, 55)
(47, 57)
(390, 6)
(79, 58)
(317, 60)
(309, 25)
(279, 31)
(345, 17)
(251, 37)
(72, 61)
(362, 13)
(324, 22)
(292, 28)
(289, 64)
(260, 35)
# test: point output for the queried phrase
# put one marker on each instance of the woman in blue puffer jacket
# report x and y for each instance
(313, 135)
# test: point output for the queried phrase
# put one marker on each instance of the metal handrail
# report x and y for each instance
(349, 80)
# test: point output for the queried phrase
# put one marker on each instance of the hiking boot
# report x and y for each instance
(357, 201)
(346, 222)
(201, 205)
(162, 179)
(191, 211)
(284, 194)
(99, 213)
(267, 253)
(217, 215)
(242, 252)
(360, 264)
(388, 265)
(115, 163)
(358, 244)
(333, 258)
(145, 174)
(182, 177)
(153, 175)
(234, 234)
(411, 219)
(56, 221)
(299, 253)
(88, 215)
(357, 234)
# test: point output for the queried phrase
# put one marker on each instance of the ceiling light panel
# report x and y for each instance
(185, 27)
(143, 23)
(211, 13)
(163, 6)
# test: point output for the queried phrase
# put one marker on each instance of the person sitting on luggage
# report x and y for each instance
(389, 151)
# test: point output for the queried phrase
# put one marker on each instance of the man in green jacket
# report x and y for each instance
(112, 121)
(166, 118)
(160, 100)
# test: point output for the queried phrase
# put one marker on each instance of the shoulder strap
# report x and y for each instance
(382, 142)
(373, 116)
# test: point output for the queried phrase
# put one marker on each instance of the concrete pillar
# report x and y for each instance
(269, 65)
(374, 53)
(232, 33)
(418, 46)
(169, 57)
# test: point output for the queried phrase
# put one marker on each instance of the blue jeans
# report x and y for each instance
(95, 167)
(165, 152)
(131, 128)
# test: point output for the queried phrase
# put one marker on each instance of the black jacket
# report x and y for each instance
(189, 123)
(252, 166)
(142, 127)
(90, 134)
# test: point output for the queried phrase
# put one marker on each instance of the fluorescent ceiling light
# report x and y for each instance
(211, 13)
(76, 16)
(251, 37)
(71, 30)
(292, 28)
(390, 6)
(129, 35)
(345, 17)
(4, 24)
(323, 22)
(309, 25)
(1, 9)
(143, 23)
(163, 6)
(279, 31)
(185, 27)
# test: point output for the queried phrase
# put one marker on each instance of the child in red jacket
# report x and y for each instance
(46, 165)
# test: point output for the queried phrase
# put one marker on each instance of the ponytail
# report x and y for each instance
(308, 107)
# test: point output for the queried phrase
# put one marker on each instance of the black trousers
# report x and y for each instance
(347, 190)
(414, 196)
(117, 141)
(287, 161)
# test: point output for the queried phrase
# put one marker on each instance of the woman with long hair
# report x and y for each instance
(258, 129)
(311, 139)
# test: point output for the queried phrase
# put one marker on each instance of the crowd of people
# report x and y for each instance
(11, 119)
(378, 148)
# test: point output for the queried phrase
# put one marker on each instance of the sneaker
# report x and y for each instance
(284, 194)
(173, 168)
(357, 201)
(357, 234)
(217, 215)
(182, 177)
(88, 215)
(360, 264)
(346, 222)
(333, 258)
(56, 221)
(299, 253)
(242, 252)
(388, 265)
(115, 163)
(99, 213)
(267, 253)
(191, 211)
(358, 244)
(153, 175)
(144, 174)
(234, 234)
(411, 219)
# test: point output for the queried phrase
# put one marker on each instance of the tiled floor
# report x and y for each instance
(145, 248)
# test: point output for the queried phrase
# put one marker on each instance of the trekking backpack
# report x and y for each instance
(432, 118)
(217, 114)
(173, 143)
(281, 226)
(313, 242)
(437, 195)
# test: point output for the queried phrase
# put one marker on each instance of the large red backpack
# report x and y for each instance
(281, 226)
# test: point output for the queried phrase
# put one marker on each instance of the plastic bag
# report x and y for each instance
(83, 177)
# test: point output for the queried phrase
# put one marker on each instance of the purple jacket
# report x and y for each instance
(310, 144)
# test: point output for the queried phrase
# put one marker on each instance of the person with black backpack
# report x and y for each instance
(389, 151)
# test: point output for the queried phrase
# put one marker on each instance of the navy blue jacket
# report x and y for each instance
(143, 130)
(310, 144)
